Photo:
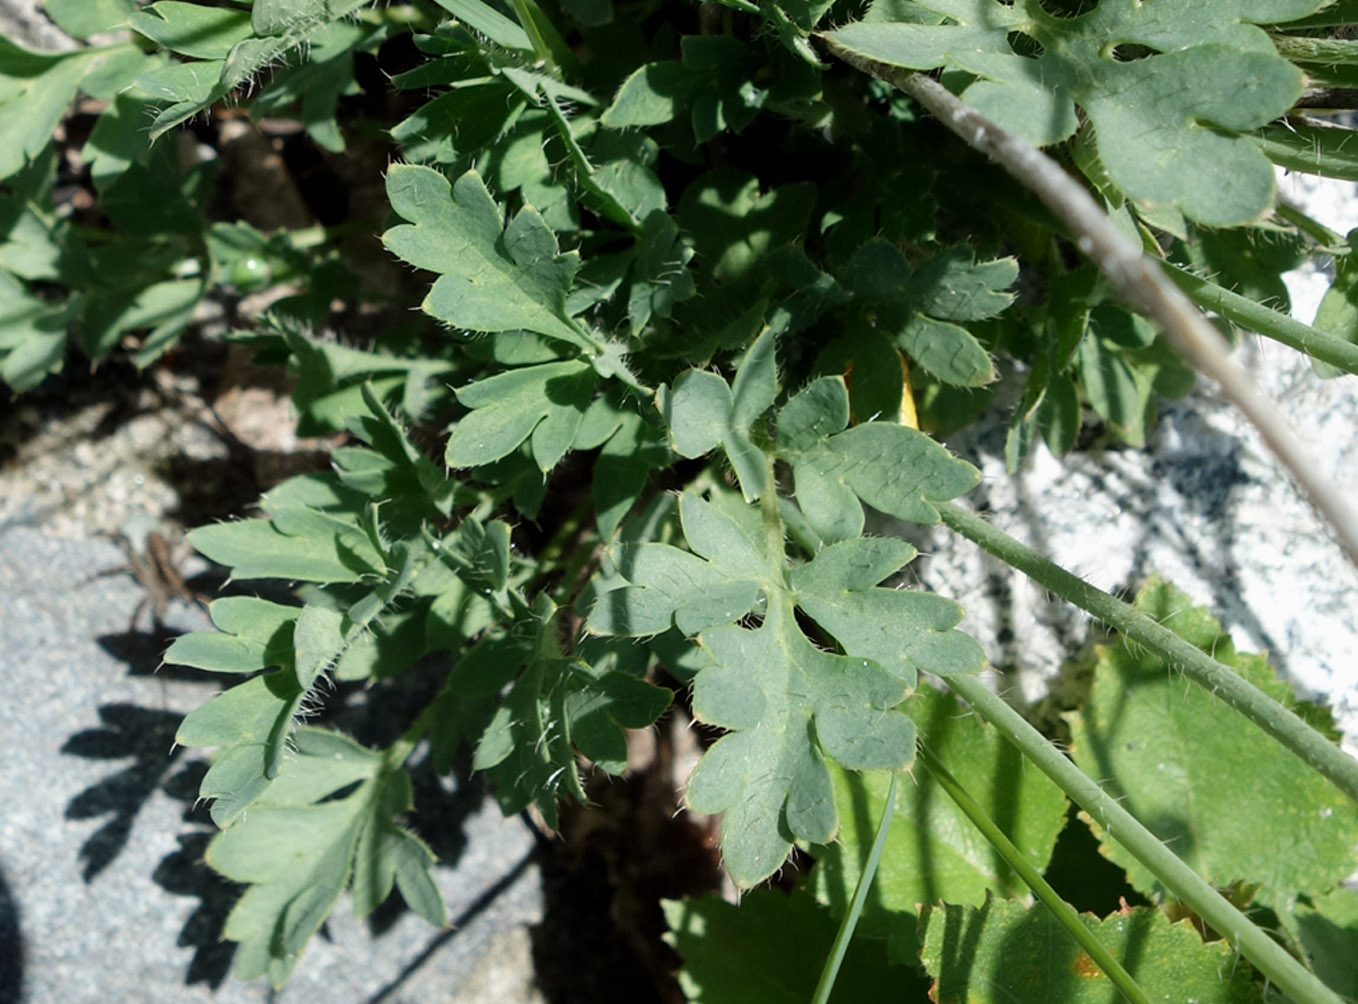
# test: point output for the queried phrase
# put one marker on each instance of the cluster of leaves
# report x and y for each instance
(685, 248)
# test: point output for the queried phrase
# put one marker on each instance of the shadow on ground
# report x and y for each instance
(138, 744)
(11, 948)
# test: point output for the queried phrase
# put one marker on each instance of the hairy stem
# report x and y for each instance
(1266, 955)
(1133, 274)
(1222, 681)
(1310, 145)
(1245, 312)
(1017, 860)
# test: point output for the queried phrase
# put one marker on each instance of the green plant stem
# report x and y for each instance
(1263, 952)
(548, 45)
(1328, 240)
(771, 519)
(1133, 274)
(1302, 49)
(860, 896)
(1017, 860)
(1280, 723)
(1312, 146)
(1245, 312)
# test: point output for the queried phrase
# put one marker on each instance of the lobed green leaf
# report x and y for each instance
(491, 277)
(1207, 76)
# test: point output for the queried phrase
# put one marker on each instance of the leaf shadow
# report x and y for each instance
(185, 873)
(146, 735)
(11, 948)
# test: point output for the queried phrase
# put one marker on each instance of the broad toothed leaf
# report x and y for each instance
(1163, 746)
(933, 852)
(789, 707)
(770, 948)
(492, 277)
(1006, 951)
(902, 629)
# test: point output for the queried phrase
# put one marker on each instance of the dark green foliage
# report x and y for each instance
(747, 286)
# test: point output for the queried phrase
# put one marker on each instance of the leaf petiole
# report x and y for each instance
(1270, 716)
(860, 896)
(1253, 943)
(1017, 860)
(1256, 317)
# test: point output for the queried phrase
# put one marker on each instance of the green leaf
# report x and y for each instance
(1208, 75)
(733, 226)
(890, 467)
(1006, 951)
(1338, 310)
(667, 587)
(489, 22)
(790, 706)
(901, 629)
(713, 82)
(317, 637)
(546, 403)
(188, 88)
(252, 634)
(1326, 928)
(492, 277)
(1113, 388)
(621, 472)
(770, 949)
(82, 18)
(651, 95)
(1162, 747)
(32, 336)
(915, 305)
(554, 704)
(388, 855)
(299, 540)
(191, 29)
(251, 723)
(704, 413)
(933, 853)
(36, 88)
(296, 850)
(410, 479)
(310, 91)
(165, 307)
